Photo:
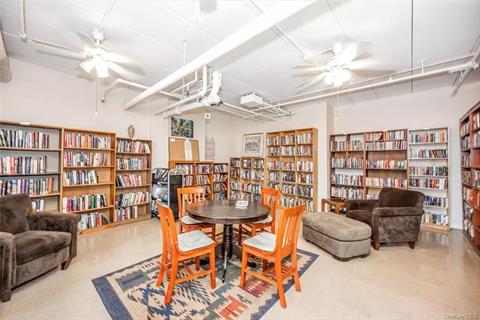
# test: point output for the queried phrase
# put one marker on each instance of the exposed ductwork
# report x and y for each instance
(5, 73)
(281, 11)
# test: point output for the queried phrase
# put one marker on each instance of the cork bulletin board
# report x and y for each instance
(183, 149)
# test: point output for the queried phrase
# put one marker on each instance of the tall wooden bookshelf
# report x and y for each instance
(91, 155)
(246, 177)
(220, 180)
(133, 180)
(28, 143)
(196, 174)
(470, 166)
(428, 173)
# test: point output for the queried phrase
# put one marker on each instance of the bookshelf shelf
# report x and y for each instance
(196, 174)
(133, 202)
(32, 145)
(89, 149)
(87, 185)
(90, 210)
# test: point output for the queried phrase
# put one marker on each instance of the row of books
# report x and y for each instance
(234, 173)
(476, 121)
(23, 165)
(185, 168)
(235, 163)
(273, 185)
(429, 171)
(289, 202)
(84, 159)
(274, 165)
(38, 205)
(346, 192)
(347, 179)
(428, 153)
(435, 218)
(204, 168)
(434, 201)
(133, 146)
(37, 186)
(129, 180)
(305, 178)
(128, 199)
(84, 202)
(476, 178)
(304, 151)
(257, 175)
(386, 145)
(93, 220)
(273, 151)
(304, 191)
(306, 166)
(386, 164)
(127, 213)
(385, 135)
(24, 139)
(467, 194)
(86, 140)
(355, 145)
(429, 183)
(464, 129)
(79, 177)
(338, 145)
(220, 177)
(304, 138)
(202, 180)
(466, 160)
(273, 141)
(429, 137)
(466, 177)
(288, 189)
(254, 164)
(288, 176)
(132, 163)
(220, 168)
(274, 176)
(289, 139)
(251, 187)
(219, 187)
(220, 196)
(465, 143)
(386, 182)
(476, 140)
(188, 180)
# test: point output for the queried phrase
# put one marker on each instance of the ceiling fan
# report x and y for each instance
(337, 65)
(94, 56)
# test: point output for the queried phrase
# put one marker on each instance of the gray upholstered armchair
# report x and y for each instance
(32, 243)
(394, 217)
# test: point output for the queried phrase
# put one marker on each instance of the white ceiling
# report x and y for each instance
(153, 33)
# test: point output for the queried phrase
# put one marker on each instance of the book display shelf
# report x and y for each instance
(363, 163)
(428, 173)
(88, 172)
(30, 162)
(246, 176)
(470, 166)
(291, 166)
(133, 181)
(220, 181)
(196, 174)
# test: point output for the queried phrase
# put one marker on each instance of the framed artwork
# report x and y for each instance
(181, 128)
(253, 145)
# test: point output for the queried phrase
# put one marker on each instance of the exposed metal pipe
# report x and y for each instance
(281, 11)
(452, 69)
(200, 94)
(187, 84)
(119, 81)
(276, 101)
(466, 72)
(23, 25)
(255, 114)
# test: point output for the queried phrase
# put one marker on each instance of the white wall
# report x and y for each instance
(45, 96)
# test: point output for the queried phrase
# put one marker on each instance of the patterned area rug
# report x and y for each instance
(131, 293)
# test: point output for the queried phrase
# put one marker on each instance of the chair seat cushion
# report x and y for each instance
(190, 220)
(192, 240)
(31, 245)
(264, 241)
(266, 220)
(337, 227)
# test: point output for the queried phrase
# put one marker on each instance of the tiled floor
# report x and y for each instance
(440, 278)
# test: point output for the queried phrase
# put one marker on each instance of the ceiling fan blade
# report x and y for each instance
(312, 82)
(86, 38)
(122, 71)
(118, 58)
(61, 50)
(371, 73)
(87, 66)
(353, 51)
(303, 66)
(311, 71)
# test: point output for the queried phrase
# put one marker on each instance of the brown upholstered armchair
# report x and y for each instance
(32, 243)
(394, 217)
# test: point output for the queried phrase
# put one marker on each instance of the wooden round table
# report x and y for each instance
(224, 212)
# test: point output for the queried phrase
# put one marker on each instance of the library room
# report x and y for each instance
(239, 159)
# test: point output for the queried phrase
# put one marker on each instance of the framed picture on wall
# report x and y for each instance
(253, 145)
(181, 128)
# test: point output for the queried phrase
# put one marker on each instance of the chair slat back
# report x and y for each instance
(169, 232)
(288, 229)
(189, 195)
(270, 198)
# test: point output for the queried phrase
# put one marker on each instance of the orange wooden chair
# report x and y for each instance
(270, 198)
(274, 248)
(177, 249)
(187, 223)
